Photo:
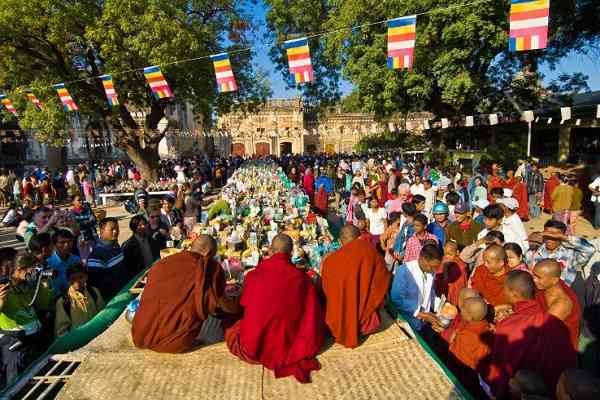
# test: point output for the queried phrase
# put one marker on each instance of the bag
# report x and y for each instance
(131, 206)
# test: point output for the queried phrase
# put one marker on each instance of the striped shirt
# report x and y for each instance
(105, 255)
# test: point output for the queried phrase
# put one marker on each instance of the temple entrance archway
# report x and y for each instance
(263, 149)
(285, 148)
(238, 149)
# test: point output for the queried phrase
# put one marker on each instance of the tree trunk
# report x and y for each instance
(146, 160)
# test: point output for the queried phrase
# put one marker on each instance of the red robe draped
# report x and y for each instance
(551, 184)
(573, 321)
(520, 194)
(308, 184)
(490, 287)
(321, 201)
(472, 344)
(283, 325)
(180, 293)
(451, 279)
(530, 338)
(355, 283)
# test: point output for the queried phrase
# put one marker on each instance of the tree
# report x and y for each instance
(43, 42)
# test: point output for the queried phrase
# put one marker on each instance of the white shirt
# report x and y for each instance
(514, 231)
(417, 189)
(424, 282)
(595, 185)
(429, 199)
(376, 220)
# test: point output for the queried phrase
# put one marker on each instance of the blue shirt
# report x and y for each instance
(440, 233)
(326, 182)
(60, 284)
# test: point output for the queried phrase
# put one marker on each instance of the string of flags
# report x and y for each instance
(528, 31)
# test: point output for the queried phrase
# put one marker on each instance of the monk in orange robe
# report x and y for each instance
(464, 294)
(549, 187)
(520, 194)
(283, 327)
(494, 181)
(355, 283)
(557, 297)
(182, 290)
(488, 279)
(530, 338)
(452, 277)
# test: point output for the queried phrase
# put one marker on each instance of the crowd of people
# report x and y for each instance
(300, 247)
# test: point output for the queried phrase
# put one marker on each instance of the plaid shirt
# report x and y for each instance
(414, 246)
(535, 183)
(572, 256)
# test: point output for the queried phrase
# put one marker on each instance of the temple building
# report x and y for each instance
(283, 127)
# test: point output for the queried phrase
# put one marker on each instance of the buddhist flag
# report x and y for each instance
(65, 98)
(31, 97)
(8, 104)
(158, 84)
(402, 33)
(299, 60)
(109, 89)
(529, 24)
(224, 73)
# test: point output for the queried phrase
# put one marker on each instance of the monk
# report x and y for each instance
(557, 297)
(355, 283)
(283, 327)
(520, 194)
(488, 279)
(464, 294)
(182, 290)
(549, 187)
(530, 338)
(494, 180)
(452, 277)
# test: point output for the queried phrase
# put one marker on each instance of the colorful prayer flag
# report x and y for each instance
(402, 33)
(529, 24)
(109, 89)
(299, 60)
(8, 104)
(33, 99)
(65, 98)
(158, 84)
(224, 73)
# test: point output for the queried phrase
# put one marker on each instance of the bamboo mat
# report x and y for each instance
(387, 365)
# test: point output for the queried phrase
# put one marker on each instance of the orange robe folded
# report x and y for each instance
(490, 287)
(573, 321)
(182, 290)
(451, 279)
(355, 283)
(532, 339)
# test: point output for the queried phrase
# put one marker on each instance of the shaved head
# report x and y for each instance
(466, 293)
(348, 233)
(474, 308)
(496, 252)
(520, 285)
(204, 245)
(549, 267)
(282, 243)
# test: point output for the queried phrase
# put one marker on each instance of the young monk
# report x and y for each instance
(283, 325)
(471, 344)
(355, 283)
(453, 276)
(464, 294)
(557, 297)
(181, 292)
(488, 279)
(530, 338)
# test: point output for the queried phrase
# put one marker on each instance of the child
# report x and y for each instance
(79, 305)
(377, 220)
(470, 346)
(415, 243)
(452, 277)
(514, 257)
(362, 226)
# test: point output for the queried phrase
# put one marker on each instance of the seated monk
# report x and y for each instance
(557, 297)
(182, 290)
(355, 282)
(488, 279)
(283, 325)
(530, 338)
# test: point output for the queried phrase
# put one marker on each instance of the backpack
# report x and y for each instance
(67, 300)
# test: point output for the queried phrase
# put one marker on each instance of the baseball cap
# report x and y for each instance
(509, 202)
(483, 203)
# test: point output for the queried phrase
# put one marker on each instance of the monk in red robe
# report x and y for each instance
(182, 290)
(549, 187)
(321, 201)
(464, 294)
(355, 283)
(530, 338)
(283, 327)
(494, 181)
(488, 279)
(452, 277)
(557, 297)
(520, 194)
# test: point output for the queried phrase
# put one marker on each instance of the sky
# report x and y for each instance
(572, 63)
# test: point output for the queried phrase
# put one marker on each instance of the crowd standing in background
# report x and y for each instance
(506, 310)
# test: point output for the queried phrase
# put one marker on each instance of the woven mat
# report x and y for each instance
(387, 365)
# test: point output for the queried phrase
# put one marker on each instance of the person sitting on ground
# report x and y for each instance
(355, 283)
(577, 384)
(488, 279)
(106, 267)
(412, 292)
(556, 297)
(283, 324)
(181, 292)
(61, 259)
(529, 338)
(79, 304)
(471, 344)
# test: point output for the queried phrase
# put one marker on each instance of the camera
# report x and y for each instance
(40, 272)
